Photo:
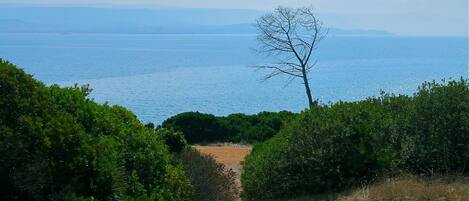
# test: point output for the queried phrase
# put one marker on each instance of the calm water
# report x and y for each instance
(158, 76)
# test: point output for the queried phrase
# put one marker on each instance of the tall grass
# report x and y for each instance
(450, 188)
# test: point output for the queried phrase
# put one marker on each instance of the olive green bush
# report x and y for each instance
(57, 144)
(174, 139)
(197, 127)
(205, 128)
(324, 149)
(256, 128)
(211, 180)
(333, 147)
(439, 127)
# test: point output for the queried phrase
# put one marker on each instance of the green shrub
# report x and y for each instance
(56, 144)
(198, 127)
(202, 128)
(174, 139)
(327, 148)
(333, 147)
(212, 181)
(256, 128)
(440, 128)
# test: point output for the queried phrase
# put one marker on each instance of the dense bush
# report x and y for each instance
(174, 139)
(211, 180)
(255, 128)
(197, 127)
(200, 128)
(336, 146)
(439, 127)
(324, 149)
(56, 144)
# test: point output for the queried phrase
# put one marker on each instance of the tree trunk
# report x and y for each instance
(311, 102)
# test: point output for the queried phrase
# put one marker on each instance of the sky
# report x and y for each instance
(405, 17)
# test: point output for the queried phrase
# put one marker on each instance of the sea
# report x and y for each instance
(157, 76)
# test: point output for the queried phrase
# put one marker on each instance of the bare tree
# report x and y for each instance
(291, 35)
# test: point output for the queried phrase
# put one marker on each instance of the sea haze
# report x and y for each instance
(38, 19)
(157, 76)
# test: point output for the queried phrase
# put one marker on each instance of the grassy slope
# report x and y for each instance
(449, 188)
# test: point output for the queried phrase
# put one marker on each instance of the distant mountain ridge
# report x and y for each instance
(136, 21)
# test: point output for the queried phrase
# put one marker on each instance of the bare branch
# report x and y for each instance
(291, 35)
(279, 70)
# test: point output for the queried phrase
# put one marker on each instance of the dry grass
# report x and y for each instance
(408, 188)
(404, 188)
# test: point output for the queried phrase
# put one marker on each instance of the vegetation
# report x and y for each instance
(198, 127)
(204, 128)
(439, 129)
(211, 180)
(333, 147)
(256, 128)
(57, 144)
(174, 139)
(403, 187)
(412, 188)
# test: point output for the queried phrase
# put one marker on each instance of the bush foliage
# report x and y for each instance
(204, 128)
(439, 129)
(174, 139)
(336, 146)
(211, 180)
(57, 144)
(197, 127)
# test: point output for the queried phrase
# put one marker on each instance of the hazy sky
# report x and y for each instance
(409, 17)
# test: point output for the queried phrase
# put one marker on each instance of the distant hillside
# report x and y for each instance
(135, 20)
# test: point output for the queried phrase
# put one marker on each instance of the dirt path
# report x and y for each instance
(231, 155)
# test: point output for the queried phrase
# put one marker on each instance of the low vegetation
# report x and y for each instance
(174, 139)
(404, 187)
(57, 144)
(239, 128)
(211, 180)
(412, 188)
(333, 147)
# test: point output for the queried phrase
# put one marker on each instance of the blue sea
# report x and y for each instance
(157, 76)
